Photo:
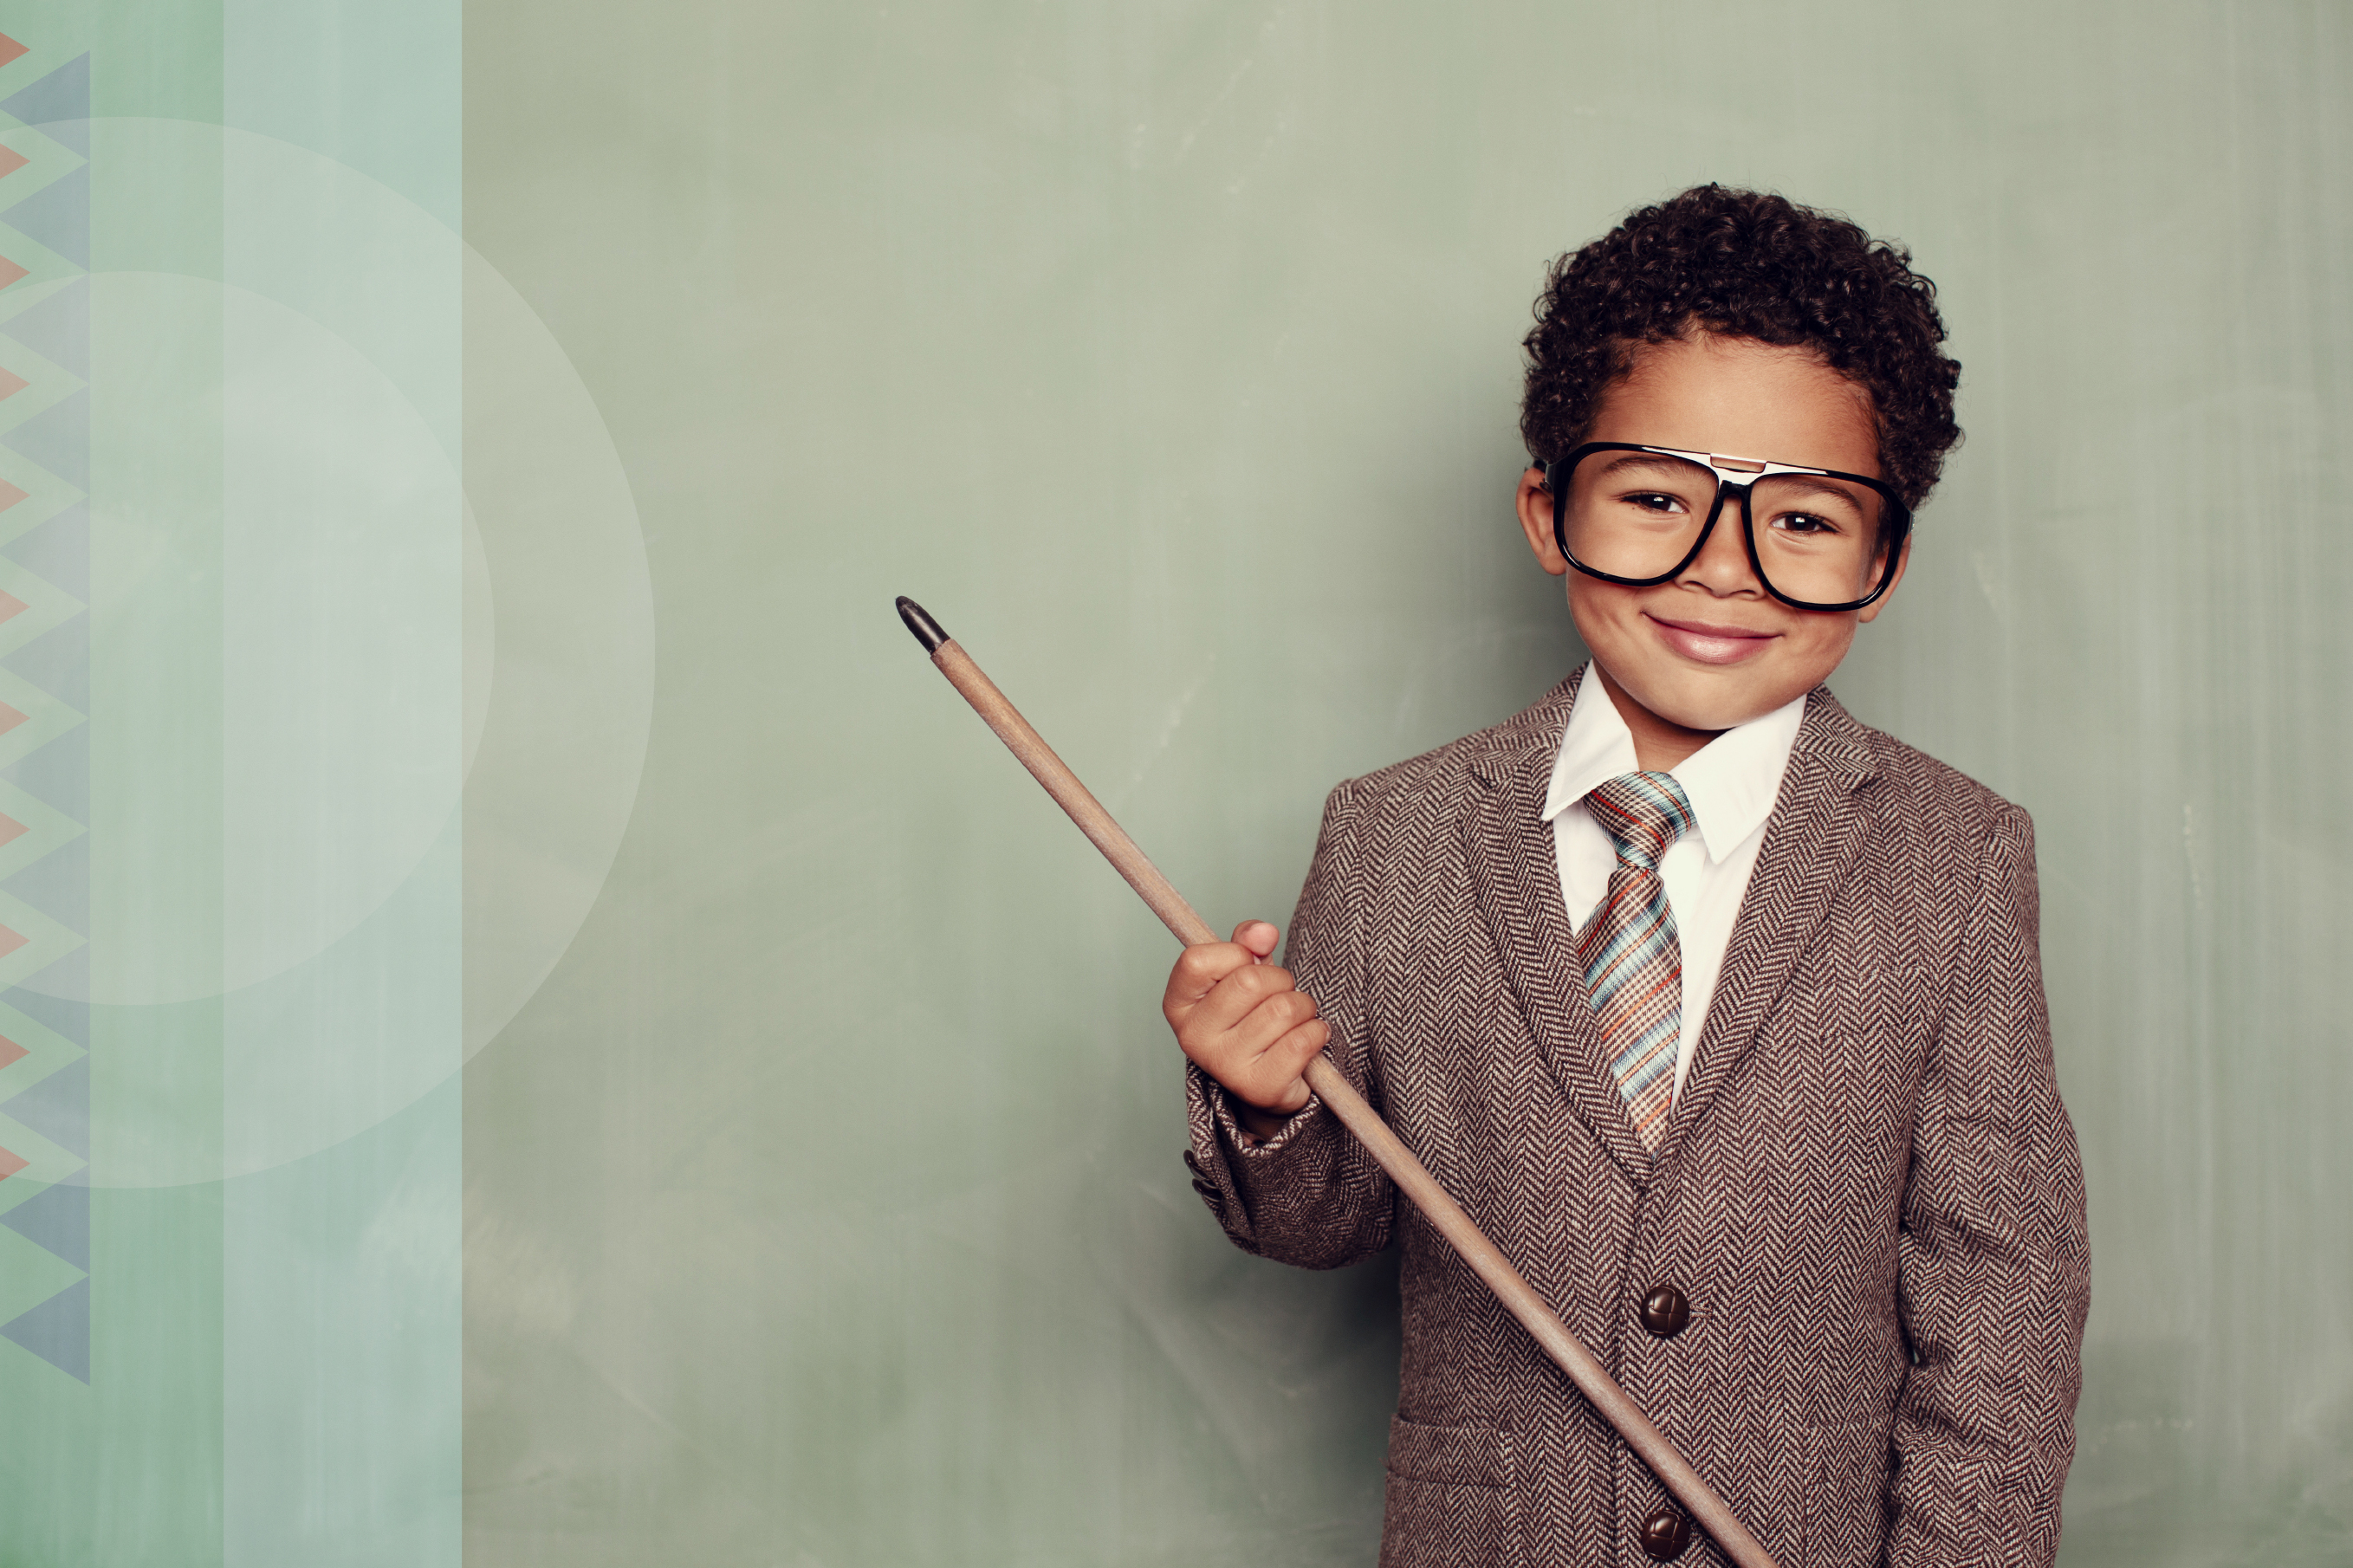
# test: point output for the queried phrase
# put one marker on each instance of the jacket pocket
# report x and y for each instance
(1451, 1498)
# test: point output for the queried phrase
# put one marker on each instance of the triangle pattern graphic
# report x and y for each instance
(56, 326)
(57, 1219)
(54, 880)
(58, 1108)
(57, 1331)
(57, 435)
(36, 1048)
(59, 102)
(34, 1163)
(33, 496)
(29, 270)
(45, 1086)
(31, 160)
(57, 217)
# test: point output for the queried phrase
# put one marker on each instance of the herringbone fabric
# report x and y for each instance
(1629, 951)
(1867, 1191)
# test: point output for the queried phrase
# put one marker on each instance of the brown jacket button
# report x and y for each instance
(1664, 1311)
(1664, 1535)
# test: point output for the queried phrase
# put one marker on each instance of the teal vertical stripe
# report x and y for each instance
(272, 974)
(343, 592)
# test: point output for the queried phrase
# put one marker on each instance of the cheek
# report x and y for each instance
(1600, 608)
(1821, 641)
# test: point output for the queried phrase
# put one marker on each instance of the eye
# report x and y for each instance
(1811, 524)
(1657, 502)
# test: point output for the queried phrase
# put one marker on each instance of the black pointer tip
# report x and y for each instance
(919, 621)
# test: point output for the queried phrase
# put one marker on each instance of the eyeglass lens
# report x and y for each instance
(1637, 514)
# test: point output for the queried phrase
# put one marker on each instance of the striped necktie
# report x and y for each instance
(1633, 959)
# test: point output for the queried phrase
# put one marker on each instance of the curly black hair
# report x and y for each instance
(1748, 265)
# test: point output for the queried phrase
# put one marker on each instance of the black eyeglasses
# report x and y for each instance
(1640, 515)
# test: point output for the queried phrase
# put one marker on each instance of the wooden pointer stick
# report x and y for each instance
(1323, 1076)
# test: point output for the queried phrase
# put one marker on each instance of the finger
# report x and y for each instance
(1286, 1060)
(1237, 997)
(1259, 936)
(1299, 1044)
(1197, 971)
(1250, 1040)
(1228, 1049)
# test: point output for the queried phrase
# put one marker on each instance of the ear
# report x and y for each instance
(1871, 612)
(1535, 522)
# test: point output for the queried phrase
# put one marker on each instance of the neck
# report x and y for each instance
(1659, 743)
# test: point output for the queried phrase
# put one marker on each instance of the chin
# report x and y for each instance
(1713, 704)
(1715, 716)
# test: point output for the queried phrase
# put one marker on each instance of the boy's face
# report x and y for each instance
(1709, 648)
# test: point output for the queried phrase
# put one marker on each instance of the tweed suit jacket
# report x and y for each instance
(1868, 1190)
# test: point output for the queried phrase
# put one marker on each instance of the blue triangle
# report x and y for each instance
(57, 661)
(60, 550)
(57, 329)
(63, 95)
(70, 976)
(67, 1017)
(57, 438)
(57, 1331)
(58, 215)
(57, 884)
(58, 1108)
(57, 774)
(57, 1217)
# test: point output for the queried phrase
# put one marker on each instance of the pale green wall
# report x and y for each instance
(824, 1207)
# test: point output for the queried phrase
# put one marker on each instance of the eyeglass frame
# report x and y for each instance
(1894, 527)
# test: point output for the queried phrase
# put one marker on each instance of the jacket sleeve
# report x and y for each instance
(1310, 1194)
(1994, 1261)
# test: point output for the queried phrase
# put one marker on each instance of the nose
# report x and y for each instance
(1722, 568)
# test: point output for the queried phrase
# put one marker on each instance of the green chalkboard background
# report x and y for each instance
(597, 1058)
(825, 1208)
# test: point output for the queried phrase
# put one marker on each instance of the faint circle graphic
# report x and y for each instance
(418, 563)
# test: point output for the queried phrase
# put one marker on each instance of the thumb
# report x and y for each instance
(1259, 937)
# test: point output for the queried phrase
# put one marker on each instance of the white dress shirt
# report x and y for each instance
(1732, 781)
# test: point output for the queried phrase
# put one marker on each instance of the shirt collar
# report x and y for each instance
(1732, 781)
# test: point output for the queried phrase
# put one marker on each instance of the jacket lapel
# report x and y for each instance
(1816, 829)
(1516, 876)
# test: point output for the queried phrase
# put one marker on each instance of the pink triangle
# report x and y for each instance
(11, 160)
(11, 608)
(9, 49)
(9, 495)
(10, 1165)
(11, 1053)
(11, 384)
(9, 272)
(10, 830)
(10, 720)
(11, 941)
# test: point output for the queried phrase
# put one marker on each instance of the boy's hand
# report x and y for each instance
(1244, 1024)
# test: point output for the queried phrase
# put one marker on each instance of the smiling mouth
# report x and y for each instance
(1711, 644)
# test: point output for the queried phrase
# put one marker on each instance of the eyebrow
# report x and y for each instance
(1812, 483)
(1655, 461)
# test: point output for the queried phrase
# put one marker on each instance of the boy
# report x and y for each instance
(1720, 1012)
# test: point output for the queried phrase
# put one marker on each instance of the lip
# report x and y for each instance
(1709, 643)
